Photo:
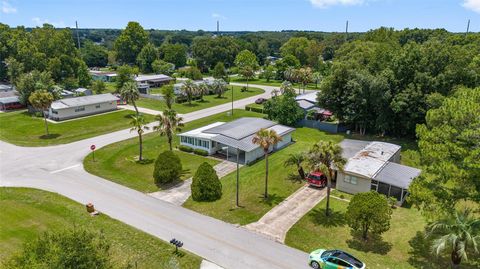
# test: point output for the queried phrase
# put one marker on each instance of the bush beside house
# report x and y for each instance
(205, 185)
(168, 168)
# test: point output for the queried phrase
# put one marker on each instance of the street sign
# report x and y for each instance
(92, 147)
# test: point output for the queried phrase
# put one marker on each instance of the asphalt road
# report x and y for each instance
(59, 169)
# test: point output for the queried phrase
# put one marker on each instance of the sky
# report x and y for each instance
(246, 15)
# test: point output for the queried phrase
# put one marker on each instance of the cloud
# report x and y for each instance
(218, 16)
(7, 8)
(327, 3)
(39, 22)
(472, 5)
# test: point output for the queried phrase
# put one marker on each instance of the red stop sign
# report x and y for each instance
(92, 147)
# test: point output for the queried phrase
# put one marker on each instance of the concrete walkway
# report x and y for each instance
(276, 223)
(179, 193)
(209, 265)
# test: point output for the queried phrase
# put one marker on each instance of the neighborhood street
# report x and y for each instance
(59, 169)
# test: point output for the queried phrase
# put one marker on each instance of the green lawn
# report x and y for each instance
(283, 181)
(26, 213)
(403, 246)
(272, 82)
(20, 128)
(116, 162)
(209, 100)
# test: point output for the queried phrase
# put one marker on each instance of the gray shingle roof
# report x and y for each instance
(84, 100)
(305, 104)
(397, 175)
(241, 128)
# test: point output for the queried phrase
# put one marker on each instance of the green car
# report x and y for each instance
(333, 259)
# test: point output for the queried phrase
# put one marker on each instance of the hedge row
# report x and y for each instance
(254, 109)
(200, 152)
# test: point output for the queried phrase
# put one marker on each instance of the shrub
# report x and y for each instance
(64, 249)
(243, 89)
(168, 168)
(185, 148)
(200, 152)
(205, 185)
(254, 109)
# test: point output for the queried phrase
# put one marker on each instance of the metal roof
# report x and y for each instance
(154, 78)
(368, 161)
(199, 131)
(241, 128)
(305, 104)
(84, 100)
(351, 147)
(81, 90)
(6, 87)
(10, 99)
(397, 175)
(311, 97)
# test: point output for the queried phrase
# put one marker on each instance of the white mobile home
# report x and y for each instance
(70, 108)
(228, 138)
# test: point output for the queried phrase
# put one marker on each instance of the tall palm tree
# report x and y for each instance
(190, 90)
(168, 95)
(139, 124)
(324, 157)
(296, 159)
(168, 124)
(130, 93)
(202, 89)
(266, 138)
(456, 234)
(219, 87)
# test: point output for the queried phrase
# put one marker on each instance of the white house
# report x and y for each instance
(75, 107)
(228, 138)
(374, 166)
(105, 76)
(153, 80)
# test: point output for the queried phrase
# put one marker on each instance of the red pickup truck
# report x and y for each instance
(317, 179)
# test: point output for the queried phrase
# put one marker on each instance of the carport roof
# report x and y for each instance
(397, 175)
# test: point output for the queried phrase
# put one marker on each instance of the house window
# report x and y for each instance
(97, 106)
(80, 108)
(54, 112)
(350, 179)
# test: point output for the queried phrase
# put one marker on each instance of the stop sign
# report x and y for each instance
(92, 147)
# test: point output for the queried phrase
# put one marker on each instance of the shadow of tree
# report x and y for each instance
(223, 97)
(272, 199)
(374, 243)
(335, 219)
(50, 136)
(294, 178)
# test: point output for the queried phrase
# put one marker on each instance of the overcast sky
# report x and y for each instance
(252, 15)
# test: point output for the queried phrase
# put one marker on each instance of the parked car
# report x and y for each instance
(317, 179)
(260, 101)
(333, 259)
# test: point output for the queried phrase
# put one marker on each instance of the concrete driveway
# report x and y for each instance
(276, 223)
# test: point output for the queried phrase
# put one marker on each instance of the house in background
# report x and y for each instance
(105, 76)
(236, 136)
(308, 102)
(6, 87)
(10, 103)
(153, 81)
(374, 166)
(83, 92)
(75, 107)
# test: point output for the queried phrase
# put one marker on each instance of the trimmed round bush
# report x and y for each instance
(168, 168)
(205, 185)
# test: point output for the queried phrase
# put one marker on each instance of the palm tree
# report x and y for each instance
(317, 78)
(189, 89)
(324, 157)
(168, 95)
(296, 159)
(266, 138)
(456, 234)
(139, 124)
(202, 89)
(130, 93)
(41, 100)
(219, 87)
(169, 123)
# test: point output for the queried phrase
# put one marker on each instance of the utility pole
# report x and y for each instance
(346, 31)
(238, 176)
(468, 27)
(78, 37)
(232, 100)
(218, 27)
